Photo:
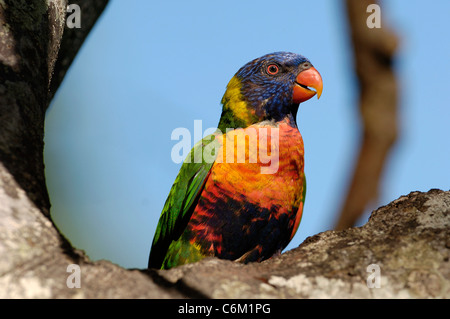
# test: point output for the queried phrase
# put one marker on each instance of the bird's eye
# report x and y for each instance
(272, 69)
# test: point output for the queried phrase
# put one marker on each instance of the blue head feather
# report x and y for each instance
(269, 97)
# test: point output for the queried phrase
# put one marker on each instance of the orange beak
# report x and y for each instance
(305, 80)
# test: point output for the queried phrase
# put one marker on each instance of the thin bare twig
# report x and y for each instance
(374, 49)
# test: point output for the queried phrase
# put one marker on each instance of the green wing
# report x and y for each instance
(183, 197)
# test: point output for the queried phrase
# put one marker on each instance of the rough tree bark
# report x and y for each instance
(374, 50)
(36, 51)
(408, 239)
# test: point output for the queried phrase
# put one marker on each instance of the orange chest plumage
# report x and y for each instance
(252, 200)
(263, 163)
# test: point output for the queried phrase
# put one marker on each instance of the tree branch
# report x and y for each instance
(74, 38)
(374, 51)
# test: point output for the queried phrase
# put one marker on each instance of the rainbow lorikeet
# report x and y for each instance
(243, 206)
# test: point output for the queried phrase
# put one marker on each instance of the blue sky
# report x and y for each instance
(148, 68)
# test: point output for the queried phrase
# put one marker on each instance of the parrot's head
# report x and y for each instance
(269, 88)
